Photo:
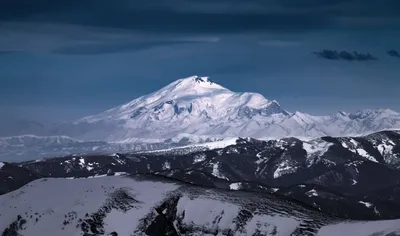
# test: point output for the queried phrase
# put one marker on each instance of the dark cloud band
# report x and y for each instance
(211, 16)
(345, 55)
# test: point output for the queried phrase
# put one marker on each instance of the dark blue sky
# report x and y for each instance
(65, 59)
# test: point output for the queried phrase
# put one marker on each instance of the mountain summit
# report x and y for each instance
(195, 84)
(189, 98)
(198, 109)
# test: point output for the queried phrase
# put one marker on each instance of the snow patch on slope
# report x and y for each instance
(199, 157)
(312, 193)
(266, 225)
(367, 204)
(353, 146)
(365, 154)
(235, 186)
(315, 150)
(385, 148)
(166, 165)
(202, 211)
(285, 167)
(216, 172)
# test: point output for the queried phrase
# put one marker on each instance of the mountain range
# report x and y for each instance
(189, 110)
(324, 172)
(324, 186)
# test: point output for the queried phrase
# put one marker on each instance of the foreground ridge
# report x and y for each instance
(146, 205)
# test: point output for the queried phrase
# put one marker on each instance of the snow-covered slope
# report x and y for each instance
(371, 228)
(118, 205)
(195, 109)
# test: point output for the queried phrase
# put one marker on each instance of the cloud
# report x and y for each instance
(279, 43)
(99, 26)
(6, 52)
(311, 3)
(203, 16)
(90, 49)
(75, 39)
(163, 16)
(345, 55)
(394, 53)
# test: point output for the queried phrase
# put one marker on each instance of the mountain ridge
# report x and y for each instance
(325, 173)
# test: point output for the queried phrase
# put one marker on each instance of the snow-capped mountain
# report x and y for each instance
(195, 108)
(187, 111)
